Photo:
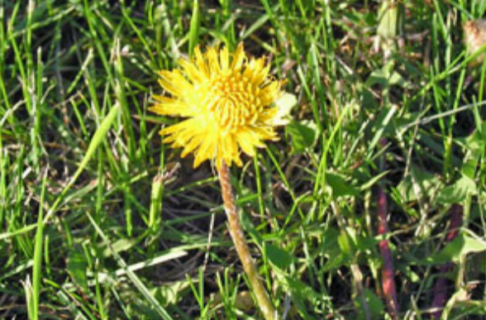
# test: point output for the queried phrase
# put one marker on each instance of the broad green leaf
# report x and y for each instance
(463, 307)
(375, 305)
(300, 292)
(330, 248)
(457, 192)
(474, 144)
(120, 246)
(346, 245)
(329, 240)
(340, 187)
(77, 267)
(418, 185)
(462, 245)
(278, 257)
(380, 77)
(303, 135)
(461, 299)
(170, 294)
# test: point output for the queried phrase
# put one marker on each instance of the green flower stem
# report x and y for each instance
(236, 232)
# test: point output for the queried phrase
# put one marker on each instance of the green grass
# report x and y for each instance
(100, 220)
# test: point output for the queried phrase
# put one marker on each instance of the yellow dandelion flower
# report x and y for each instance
(228, 103)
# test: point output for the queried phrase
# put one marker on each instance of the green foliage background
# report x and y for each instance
(100, 220)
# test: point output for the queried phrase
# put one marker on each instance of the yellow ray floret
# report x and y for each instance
(228, 102)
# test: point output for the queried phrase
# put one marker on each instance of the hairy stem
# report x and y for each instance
(236, 232)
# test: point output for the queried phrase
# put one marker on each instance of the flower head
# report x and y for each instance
(227, 101)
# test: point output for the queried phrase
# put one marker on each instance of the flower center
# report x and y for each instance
(233, 100)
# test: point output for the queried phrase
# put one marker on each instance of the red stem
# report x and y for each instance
(388, 271)
(440, 287)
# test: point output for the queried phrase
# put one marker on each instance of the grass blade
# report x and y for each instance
(97, 139)
(133, 277)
